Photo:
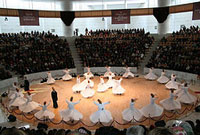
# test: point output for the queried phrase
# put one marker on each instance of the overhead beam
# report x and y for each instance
(99, 13)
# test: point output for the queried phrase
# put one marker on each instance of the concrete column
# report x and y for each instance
(163, 28)
(68, 30)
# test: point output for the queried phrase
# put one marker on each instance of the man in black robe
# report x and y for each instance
(54, 98)
(26, 84)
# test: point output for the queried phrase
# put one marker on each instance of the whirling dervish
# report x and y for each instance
(67, 76)
(88, 91)
(44, 113)
(132, 113)
(163, 79)
(102, 86)
(172, 84)
(17, 98)
(71, 114)
(101, 115)
(85, 82)
(117, 88)
(185, 97)
(77, 87)
(88, 73)
(29, 105)
(150, 75)
(152, 109)
(171, 104)
(128, 72)
(108, 72)
(50, 79)
(110, 83)
(12, 90)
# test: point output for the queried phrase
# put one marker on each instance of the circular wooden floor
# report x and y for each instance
(139, 88)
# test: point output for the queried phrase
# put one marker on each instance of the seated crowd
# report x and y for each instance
(113, 47)
(4, 74)
(179, 51)
(34, 52)
(159, 128)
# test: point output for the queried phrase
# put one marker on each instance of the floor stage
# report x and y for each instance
(139, 88)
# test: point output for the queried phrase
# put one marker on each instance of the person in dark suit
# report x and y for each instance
(54, 98)
(26, 84)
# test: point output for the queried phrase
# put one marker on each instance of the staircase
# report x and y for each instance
(77, 60)
(149, 53)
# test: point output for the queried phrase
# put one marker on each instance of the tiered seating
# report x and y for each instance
(180, 51)
(4, 74)
(113, 47)
(160, 127)
(34, 52)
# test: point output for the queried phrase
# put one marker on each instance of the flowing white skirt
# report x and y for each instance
(41, 115)
(118, 90)
(128, 114)
(77, 87)
(107, 74)
(152, 110)
(150, 76)
(163, 79)
(17, 101)
(85, 83)
(50, 81)
(87, 93)
(170, 104)
(126, 74)
(90, 75)
(186, 97)
(67, 77)
(103, 116)
(12, 95)
(70, 114)
(110, 83)
(172, 85)
(102, 87)
(28, 107)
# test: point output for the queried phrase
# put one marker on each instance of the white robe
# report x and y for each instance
(108, 72)
(17, 99)
(67, 76)
(85, 83)
(152, 109)
(170, 103)
(88, 92)
(77, 87)
(50, 79)
(101, 115)
(110, 83)
(131, 112)
(185, 97)
(128, 73)
(172, 84)
(150, 75)
(29, 105)
(71, 113)
(163, 78)
(12, 91)
(44, 113)
(90, 75)
(117, 88)
(102, 86)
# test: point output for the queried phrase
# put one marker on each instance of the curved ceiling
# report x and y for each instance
(82, 5)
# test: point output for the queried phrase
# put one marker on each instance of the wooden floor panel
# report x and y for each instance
(139, 88)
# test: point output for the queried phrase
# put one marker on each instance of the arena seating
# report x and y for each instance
(113, 47)
(34, 52)
(179, 51)
(183, 128)
(4, 74)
